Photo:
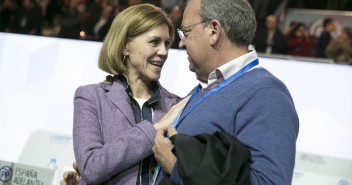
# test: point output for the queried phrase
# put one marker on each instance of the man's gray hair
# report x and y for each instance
(235, 16)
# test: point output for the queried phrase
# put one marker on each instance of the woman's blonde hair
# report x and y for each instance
(129, 23)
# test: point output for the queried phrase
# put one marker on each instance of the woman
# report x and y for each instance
(113, 128)
(299, 42)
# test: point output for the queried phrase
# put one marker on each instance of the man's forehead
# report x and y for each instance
(191, 13)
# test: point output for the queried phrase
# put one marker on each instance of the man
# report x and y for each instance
(270, 40)
(235, 95)
(325, 37)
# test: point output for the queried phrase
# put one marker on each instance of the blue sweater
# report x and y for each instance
(257, 109)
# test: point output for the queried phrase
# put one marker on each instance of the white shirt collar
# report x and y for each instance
(225, 71)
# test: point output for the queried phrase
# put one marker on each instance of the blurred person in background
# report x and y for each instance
(28, 19)
(270, 40)
(260, 8)
(325, 37)
(299, 42)
(8, 11)
(98, 26)
(340, 49)
(175, 14)
(289, 28)
(51, 12)
(72, 20)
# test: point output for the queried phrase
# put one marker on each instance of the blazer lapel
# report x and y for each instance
(163, 106)
(117, 95)
(159, 112)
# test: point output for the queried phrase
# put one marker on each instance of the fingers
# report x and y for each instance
(159, 135)
(69, 178)
(186, 98)
(75, 167)
(63, 182)
(162, 149)
(183, 102)
(171, 131)
(74, 164)
(67, 175)
(171, 115)
(77, 177)
(158, 141)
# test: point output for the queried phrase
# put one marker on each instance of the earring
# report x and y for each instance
(124, 58)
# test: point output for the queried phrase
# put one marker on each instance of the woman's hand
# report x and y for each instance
(71, 177)
(171, 116)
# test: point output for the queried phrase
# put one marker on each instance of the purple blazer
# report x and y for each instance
(108, 144)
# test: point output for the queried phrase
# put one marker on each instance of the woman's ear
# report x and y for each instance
(125, 50)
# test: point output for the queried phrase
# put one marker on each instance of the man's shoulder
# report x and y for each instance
(259, 78)
(261, 75)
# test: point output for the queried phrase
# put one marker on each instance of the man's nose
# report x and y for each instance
(181, 44)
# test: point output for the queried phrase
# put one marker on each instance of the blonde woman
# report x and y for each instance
(115, 121)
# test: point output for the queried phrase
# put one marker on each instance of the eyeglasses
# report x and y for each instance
(181, 32)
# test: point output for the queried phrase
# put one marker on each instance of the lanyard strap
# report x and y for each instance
(221, 85)
(216, 88)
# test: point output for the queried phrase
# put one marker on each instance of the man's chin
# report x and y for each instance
(191, 68)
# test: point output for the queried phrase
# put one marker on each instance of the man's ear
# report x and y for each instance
(215, 28)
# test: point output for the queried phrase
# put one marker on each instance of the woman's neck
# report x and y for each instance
(139, 88)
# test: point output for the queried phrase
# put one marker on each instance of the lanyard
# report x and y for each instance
(221, 85)
(216, 88)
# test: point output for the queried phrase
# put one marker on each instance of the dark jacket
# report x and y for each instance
(322, 43)
(279, 44)
(209, 159)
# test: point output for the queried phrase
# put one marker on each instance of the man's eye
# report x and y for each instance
(185, 32)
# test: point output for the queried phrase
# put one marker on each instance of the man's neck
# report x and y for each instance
(222, 56)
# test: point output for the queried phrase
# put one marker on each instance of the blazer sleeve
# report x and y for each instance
(98, 160)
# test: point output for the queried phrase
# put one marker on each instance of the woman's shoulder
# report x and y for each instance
(87, 90)
(96, 87)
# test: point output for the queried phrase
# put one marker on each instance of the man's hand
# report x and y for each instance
(71, 177)
(171, 131)
(171, 116)
(162, 150)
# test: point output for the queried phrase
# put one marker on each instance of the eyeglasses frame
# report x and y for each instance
(181, 31)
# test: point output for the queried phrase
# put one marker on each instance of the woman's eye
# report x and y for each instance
(167, 44)
(155, 42)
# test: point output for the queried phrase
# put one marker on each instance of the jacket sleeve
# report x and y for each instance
(98, 160)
